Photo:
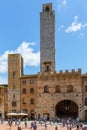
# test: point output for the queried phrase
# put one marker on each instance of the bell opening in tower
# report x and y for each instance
(47, 8)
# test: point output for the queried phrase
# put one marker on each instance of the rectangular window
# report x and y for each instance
(24, 82)
(31, 81)
(31, 90)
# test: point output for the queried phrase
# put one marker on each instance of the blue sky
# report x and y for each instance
(20, 33)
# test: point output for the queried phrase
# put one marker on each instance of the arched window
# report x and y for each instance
(24, 91)
(46, 89)
(23, 101)
(57, 89)
(69, 88)
(86, 88)
(31, 81)
(14, 104)
(32, 101)
(47, 8)
(31, 90)
(47, 68)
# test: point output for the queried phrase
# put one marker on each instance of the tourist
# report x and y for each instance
(56, 128)
(77, 127)
(81, 126)
(70, 127)
(31, 125)
(25, 123)
(34, 126)
(45, 126)
(19, 128)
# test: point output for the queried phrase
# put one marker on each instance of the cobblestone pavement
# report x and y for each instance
(50, 127)
(5, 126)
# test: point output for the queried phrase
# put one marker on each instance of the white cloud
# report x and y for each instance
(61, 4)
(64, 2)
(75, 26)
(61, 27)
(30, 57)
(27, 52)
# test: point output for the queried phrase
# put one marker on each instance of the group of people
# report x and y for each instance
(69, 123)
(33, 126)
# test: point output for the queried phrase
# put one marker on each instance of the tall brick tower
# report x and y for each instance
(47, 38)
(15, 70)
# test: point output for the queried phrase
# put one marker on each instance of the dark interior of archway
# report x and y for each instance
(66, 108)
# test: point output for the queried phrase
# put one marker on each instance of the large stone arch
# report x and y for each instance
(66, 108)
(85, 115)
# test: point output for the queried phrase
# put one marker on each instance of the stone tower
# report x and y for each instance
(47, 38)
(15, 70)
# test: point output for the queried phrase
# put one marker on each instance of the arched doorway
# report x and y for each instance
(66, 108)
(32, 114)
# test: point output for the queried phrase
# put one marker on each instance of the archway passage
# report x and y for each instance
(66, 108)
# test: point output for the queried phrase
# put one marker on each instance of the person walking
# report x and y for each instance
(70, 127)
(34, 125)
(56, 128)
(19, 128)
(25, 123)
(77, 127)
(45, 126)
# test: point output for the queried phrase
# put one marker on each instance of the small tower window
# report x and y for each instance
(14, 74)
(46, 89)
(47, 8)
(14, 104)
(47, 68)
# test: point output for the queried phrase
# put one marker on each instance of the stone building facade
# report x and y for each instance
(50, 93)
